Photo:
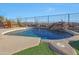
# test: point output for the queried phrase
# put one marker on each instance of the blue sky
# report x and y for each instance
(29, 10)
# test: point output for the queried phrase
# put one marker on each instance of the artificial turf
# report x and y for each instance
(41, 49)
(75, 44)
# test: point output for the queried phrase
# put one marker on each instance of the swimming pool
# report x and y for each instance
(42, 33)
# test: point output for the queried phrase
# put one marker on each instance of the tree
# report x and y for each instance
(18, 22)
(1, 21)
(1, 18)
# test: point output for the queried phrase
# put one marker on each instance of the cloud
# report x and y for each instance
(50, 10)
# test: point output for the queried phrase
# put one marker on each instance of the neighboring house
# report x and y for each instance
(7, 24)
(10, 24)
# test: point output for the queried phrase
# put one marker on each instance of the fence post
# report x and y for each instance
(36, 21)
(48, 19)
(68, 18)
(68, 21)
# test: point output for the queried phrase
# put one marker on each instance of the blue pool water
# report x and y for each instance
(42, 33)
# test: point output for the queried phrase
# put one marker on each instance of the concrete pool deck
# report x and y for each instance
(12, 44)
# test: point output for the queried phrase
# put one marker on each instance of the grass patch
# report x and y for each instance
(75, 44)
(42, 49)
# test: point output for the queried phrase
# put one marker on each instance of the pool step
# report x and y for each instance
(72, 32)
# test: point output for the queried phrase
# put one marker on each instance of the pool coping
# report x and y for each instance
(11, 30)
(69, 31)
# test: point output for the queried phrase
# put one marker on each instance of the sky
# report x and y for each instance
(12, 10)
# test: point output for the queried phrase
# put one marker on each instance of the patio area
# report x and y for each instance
(13, 44)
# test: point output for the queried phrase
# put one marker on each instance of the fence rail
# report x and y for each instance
(73, 17)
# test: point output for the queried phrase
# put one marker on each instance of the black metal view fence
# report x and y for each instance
(73, 17)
